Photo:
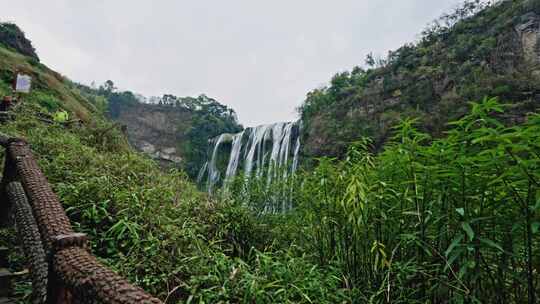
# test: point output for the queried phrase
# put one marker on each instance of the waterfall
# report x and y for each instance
(200, 176)
(267, 150)
(213, 172)
(234, 159)
(296, 153)
(255, 144)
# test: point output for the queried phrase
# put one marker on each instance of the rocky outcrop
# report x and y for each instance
(12, 36)
(529, 33)
(156, 131)
(173, 130)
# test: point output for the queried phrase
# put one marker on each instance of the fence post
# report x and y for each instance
(58, 292)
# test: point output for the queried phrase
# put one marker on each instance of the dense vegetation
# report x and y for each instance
(151, 226)
(450, 218)
(426, 220)
(207, 118)
(476, 51)
(455, 218)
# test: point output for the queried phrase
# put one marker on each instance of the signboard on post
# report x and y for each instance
(23, 83)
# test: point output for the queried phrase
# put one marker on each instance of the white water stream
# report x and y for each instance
(262, 150)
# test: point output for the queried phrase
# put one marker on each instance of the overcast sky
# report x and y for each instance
(259, 57)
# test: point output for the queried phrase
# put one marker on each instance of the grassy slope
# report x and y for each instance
(48, 85)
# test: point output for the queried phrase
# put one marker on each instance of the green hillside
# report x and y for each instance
(473, 52)
(192, 120)
(50, 89)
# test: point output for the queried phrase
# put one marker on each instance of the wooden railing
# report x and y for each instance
(61, 266)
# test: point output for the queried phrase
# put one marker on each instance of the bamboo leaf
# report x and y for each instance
(491, 244)
(535, 227)
(468, 229)
(454, 243)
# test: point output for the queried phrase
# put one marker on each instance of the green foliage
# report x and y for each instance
(210, 119)
(271, 278)
(46, 100)
(454, 219)
(465, 55)
(118, 100)
(159, 231)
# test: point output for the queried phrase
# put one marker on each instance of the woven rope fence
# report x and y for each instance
(61, 267)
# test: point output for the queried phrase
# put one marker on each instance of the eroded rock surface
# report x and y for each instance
(156, 131)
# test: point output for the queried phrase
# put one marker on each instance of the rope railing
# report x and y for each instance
(62, 268)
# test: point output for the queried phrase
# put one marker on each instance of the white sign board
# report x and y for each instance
(23, 83)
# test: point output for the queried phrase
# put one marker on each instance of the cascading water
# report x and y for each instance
(235, 156)
(213, 172)
(200, 176)
(264, 150)
(296, 153)
(255, 144)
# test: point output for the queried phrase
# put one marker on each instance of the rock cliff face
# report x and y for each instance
(493, 53)
(529, 34)
(13, 37)
(175, 130)
(156, 131)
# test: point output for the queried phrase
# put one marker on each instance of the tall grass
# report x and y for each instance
(433, 220)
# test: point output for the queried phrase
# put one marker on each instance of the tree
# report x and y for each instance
(370, 60)
(108, 86)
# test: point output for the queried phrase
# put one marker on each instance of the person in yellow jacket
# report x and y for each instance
(61, 116)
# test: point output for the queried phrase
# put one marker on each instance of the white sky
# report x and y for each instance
(259, 57)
